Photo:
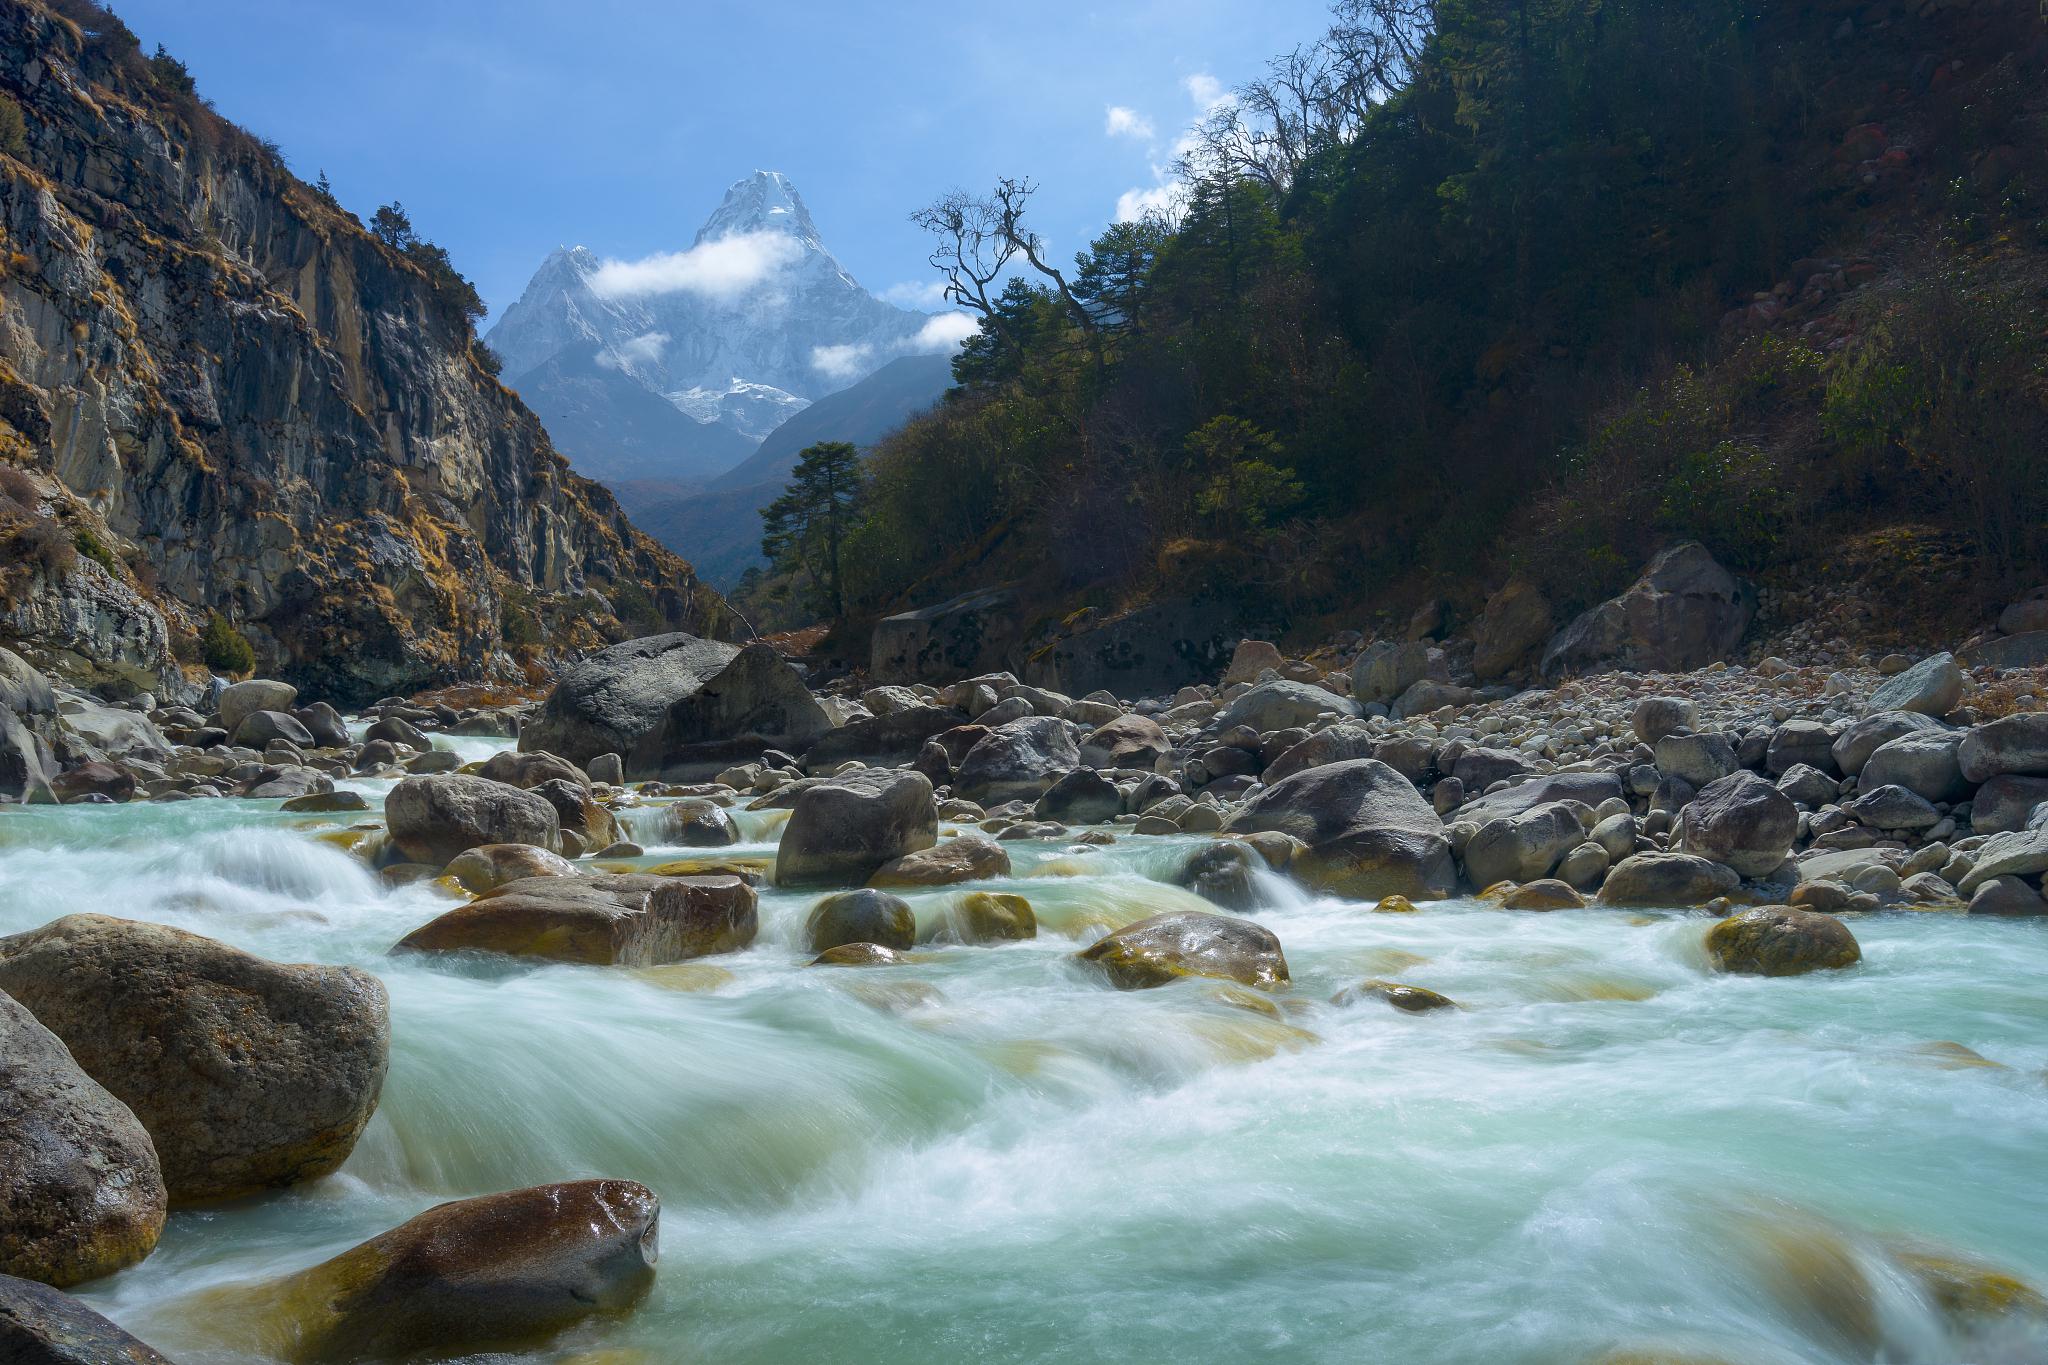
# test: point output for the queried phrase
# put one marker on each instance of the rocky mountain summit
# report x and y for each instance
(742, 353)
(219, 393)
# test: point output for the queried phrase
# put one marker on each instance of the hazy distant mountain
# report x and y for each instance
(722, 525)
(751, 323)
(613, 429)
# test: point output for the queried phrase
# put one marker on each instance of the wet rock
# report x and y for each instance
(969, 858)
(2011, 744)
(398, 730)
(1543, 894)
(499, 1273)
(989, 917)
(1222, 873)
(489, 866)
(1183, 943)
(81, 1194)
(1778, 940)
(93, 781)
(247, 1074)
(844, 829)
(1742, 821)
(327, 803)
(42, 1326)
(884, 741)
(432, 819)
(625, 920)
(1017, 761)
(1408, 999)
(859, 955)
(1367, 832)
(864, 916)
(1932, 687)
(698, 824)
(1667, 881)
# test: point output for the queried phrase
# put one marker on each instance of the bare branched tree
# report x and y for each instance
(972, 249)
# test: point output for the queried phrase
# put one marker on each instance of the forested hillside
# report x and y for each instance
(1476, 289)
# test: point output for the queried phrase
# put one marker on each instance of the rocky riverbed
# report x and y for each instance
(1444, 1019)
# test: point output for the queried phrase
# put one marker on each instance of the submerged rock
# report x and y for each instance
(497, 1273)
(1409, 999)
(248, 1074)
(989, 917)
(1182, 943)
(1778, 940)
(81, 1194)
(624, 921)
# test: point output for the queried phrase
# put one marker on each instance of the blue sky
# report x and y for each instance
(508, 127)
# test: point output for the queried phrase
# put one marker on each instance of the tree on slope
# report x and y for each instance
(804, 531)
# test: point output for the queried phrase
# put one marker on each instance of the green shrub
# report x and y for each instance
(13, 128)
(516, 624)
(95, 549)
(225, 649)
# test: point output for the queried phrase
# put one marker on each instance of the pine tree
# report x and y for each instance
(804, 531)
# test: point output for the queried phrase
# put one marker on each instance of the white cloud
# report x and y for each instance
(644, 349)
(916, 293)
(849, 362)
(1206, 91)
(723, 269)
(1135, 204)
(1123, 122)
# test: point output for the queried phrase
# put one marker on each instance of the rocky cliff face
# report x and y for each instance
(235, 399)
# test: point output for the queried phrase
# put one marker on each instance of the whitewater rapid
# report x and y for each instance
(990, 1155)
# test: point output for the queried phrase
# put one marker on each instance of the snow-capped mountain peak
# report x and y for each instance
(763, 202)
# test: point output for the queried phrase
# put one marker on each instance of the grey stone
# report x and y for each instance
(1742, 821)
(1931, 687)
(431, 819)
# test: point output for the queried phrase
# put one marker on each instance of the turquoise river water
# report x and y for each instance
(990, 1155)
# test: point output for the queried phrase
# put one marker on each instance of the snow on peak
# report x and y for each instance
(765, 201)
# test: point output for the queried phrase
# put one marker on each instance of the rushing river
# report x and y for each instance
(990, 1155)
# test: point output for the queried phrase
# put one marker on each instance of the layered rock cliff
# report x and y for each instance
(234, 398)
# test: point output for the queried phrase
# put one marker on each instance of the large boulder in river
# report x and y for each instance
(864, 916)
(1368, 831)
(1667, 881)
(528, 768)
(1182, 943)
(432, 819)
(1685, 612)
(842, 829)
(632, 920)
(2010, 744)
(1017, 761)
(969, 858)
(1778, 940)
(248, 1074)
(670, 705)
(44, 1326)
(500, 1273)
(81, 1194)
(1742, 821)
